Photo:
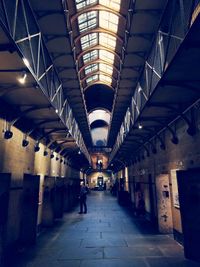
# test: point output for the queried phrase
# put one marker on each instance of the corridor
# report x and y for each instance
(108, 236)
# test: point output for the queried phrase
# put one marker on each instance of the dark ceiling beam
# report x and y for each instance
(13, 70)
(135, 68)
(44, 13)
(141, 54)
(51, 37)
(61, 69)
(56, 55)
(153, 11)
(7, 47)
(145, 36)
(181, 84)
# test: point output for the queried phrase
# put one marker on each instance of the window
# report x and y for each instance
(106, 56)
(106, 68)
(105, 78)
(84, 3)
(90, 56)
(91, 68)
(108, 21)
(87, 21)
(92, 78)
(107, 40)
(112, 4)
(88, 40)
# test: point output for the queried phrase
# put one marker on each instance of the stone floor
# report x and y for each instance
(107, 236)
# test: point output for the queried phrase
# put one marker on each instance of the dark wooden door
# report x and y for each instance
(189, 198)
(30, 199)
(4, 200)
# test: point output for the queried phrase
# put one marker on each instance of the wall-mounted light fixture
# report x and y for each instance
(25, 142)
(45, 153)
(36, 148)
(7, 131)
(140, 126)
(8, 134)
(22, 78)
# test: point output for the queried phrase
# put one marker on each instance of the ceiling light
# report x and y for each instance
(140, 126)
(56, 110)
(79, 152)
(22, 79)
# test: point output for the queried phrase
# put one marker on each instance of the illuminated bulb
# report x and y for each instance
(56, 110)
(22, 79)
(140, 126)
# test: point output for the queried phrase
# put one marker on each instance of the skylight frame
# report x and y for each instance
(87, 21)
(82, 4)
(107, 40)
(89, 40)
(98, 24)
(108, 20)
(90, 56)
(91, 68)
(112, 4)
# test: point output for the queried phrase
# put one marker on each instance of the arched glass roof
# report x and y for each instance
(97, 40)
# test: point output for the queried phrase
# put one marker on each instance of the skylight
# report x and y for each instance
(112, 4)
(99, 77)
(107, 40)
(90, 56)
(105, 78)
(106, 68)
(91, 68)
(87, 21)
(92, 78)
(106, 56)
(98, 29)
(108, 21)
(88, 40)
(84, 3)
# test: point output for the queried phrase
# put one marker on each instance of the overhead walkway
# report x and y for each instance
(109, 235)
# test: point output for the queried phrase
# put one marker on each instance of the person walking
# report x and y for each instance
(83, 198)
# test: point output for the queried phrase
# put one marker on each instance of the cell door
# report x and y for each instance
(4, 199)
(189, 198)
(30, 199)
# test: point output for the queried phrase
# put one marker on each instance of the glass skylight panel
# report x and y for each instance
(92, 78)
(91, 68)
(88, 40)
(107, 40)
(112, 4)
(105, 78)
(106, 68)
(108, 21)
(87, 21)
(90, 56)
(106, 56)
(84, 3)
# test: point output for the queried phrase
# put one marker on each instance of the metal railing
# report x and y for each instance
(175, 23)
(18, 20)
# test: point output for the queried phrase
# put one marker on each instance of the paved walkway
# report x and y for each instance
(108, 236)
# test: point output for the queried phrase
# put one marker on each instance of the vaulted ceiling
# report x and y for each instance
(98, 50)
